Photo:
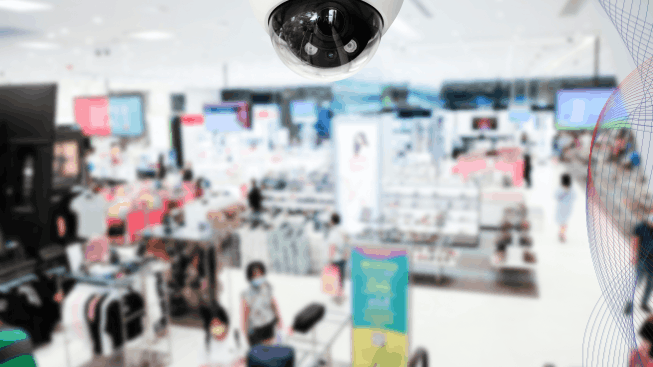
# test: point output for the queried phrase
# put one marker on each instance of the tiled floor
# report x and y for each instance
(464, 328)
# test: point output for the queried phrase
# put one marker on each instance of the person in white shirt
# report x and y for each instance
(336, 242)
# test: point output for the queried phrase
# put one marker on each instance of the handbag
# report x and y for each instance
(307, 318)
(331, 280)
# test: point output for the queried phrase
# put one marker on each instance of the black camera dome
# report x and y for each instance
(325, 40)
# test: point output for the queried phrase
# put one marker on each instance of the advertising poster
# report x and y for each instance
(92, 115)
(380, 297)
(358, 177)
(126, 115)
(266, 122)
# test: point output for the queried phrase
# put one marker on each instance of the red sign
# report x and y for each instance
(92, 116)
(191, 120)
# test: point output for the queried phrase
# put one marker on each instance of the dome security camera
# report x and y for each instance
(326, 40)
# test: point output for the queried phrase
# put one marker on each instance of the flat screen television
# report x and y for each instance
(485, 123)
(303, 111)
(92, 115)
(226, 117)
(126, 115)
(578, 109)
(66, 167)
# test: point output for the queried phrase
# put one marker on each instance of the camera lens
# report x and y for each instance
(331, 21)
(325, 40)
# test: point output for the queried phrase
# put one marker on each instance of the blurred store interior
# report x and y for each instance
(174, 195)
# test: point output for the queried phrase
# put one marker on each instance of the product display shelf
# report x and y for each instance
(426, 258)
(514, 259)
(444, 210)
(147, 350)
(307, 200)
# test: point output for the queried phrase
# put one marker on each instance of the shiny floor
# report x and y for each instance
(461, 328)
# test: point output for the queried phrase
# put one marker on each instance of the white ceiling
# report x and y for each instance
(464, 39)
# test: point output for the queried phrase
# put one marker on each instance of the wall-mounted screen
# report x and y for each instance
(303, 111)
(66, 163)
(226, 117)
(485, 123)
(92, 116)
(580, 108)
(126, 115)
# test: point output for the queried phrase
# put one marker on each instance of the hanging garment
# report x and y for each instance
(93, 319)
(91, 211)
(132, 305)
(106, 341)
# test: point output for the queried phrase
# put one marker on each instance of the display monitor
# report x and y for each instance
(66, 168)
(485, 123)
(303, 111)
(578, 109)
(126, 115)
(226, 117)
(92, 115)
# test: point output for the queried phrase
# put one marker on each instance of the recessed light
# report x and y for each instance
(22, 6)
(152, 35)
(40, 45)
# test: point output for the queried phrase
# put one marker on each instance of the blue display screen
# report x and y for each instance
(302, 109)
(580, 108)
(222, 119)
(126, 115)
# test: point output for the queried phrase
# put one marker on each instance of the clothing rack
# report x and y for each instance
(118, 357)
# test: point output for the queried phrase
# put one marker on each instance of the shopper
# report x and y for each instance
(528, 169)
(565, 197)
(219, 347)
(259, 308)
(255, 199)
(336, 243)
(643, 356)
(643, 249)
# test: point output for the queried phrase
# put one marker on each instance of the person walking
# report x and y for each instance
(643, 250)
(255, 200)
(337, 254)
(260, 313)
(565, 197)
(528, 169)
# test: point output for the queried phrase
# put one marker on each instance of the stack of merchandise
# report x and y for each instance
(289, 250)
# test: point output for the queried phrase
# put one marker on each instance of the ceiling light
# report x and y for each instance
(22, 6)
(51, 35)
(98, 20)
(152, 35)
(64, 31)
(40, 45)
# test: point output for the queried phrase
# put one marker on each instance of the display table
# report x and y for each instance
(468, 165)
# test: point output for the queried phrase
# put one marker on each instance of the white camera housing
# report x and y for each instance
(326, 40)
